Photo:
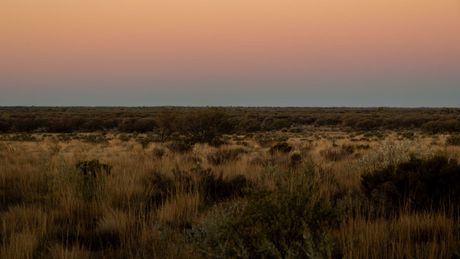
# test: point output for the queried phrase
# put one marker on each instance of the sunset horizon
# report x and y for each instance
(258, 53)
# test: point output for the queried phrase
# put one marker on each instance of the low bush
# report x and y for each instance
(291, 221)
(418, 184)
(295, 159)
(225, 155)
(159, 152)
(93, 168)
(180, 146)
(215, 188)
(157, 188)
(453, 140)
(282, 147)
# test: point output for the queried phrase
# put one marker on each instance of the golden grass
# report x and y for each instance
(40, 189)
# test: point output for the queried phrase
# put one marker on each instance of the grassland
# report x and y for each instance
(288, 193)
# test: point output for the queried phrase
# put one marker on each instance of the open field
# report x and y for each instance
(282, 193)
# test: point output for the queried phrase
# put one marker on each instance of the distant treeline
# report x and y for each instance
(241, 119)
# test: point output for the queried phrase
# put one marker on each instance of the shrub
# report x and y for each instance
(180, 146)
(216, 188)
(282, 147)
(157, 188)
(93, 138)
(291, 221)
(420, 184)
(453, 140)
(158, 152)
(167, 122)
(93, 175)
(93, 168)
(4, 126)
(206, 126)
(295, 159)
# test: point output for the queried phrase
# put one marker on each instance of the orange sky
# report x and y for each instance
(45, 39)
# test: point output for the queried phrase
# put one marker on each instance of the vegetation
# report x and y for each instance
(191, 121)
(419, 184)
(328, 190)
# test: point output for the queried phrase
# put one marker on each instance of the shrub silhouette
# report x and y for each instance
(167, 122)
(158, 187)
(291, 221)
(93, 168)
(453, 140)
(295, 159)
(180, 146)
(420, 184)
(93, 175)
(281, 147)
(206, 126)
(216, 188)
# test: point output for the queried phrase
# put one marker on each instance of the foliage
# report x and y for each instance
(453, 140)
(215, 188)
(419, 184)
(180, 146)
(291, 221)
(282, 147)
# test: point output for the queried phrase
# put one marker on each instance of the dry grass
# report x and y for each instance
(44, 213)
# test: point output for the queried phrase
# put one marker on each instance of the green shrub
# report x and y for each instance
(418, 184)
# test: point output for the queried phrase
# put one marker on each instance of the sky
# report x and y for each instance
(230, 53)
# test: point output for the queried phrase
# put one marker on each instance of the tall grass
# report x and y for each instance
(211, 202)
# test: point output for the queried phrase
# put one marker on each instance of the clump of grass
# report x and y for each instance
(338, 153)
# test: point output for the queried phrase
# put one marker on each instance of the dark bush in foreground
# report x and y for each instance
(93, 168)
(216, 188)
(291, 221)
(282, 147)
(180, 146)
(453, 140)
(419, 184)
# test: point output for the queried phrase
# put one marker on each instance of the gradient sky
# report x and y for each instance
(230, 52)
